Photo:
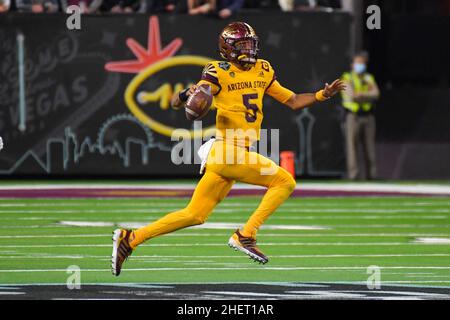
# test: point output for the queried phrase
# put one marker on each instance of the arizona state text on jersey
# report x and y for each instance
(238, 97)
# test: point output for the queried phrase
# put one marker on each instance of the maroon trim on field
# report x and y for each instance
(183, 193)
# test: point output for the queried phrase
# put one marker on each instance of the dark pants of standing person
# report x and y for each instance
(360, 129)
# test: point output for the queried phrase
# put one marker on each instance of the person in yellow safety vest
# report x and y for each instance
(358, 101)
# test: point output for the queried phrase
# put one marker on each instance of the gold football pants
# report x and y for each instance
(226, 164)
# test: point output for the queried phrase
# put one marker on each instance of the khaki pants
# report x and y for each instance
(360, 129)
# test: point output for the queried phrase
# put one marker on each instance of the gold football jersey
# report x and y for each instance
(238, 97)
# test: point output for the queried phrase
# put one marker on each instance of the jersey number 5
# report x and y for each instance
(252, 108)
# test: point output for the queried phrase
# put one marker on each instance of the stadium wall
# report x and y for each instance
(82, 113)
(77, 120)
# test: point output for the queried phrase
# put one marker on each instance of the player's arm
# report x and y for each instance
(179, 98)
(209, 77)
(297, 101)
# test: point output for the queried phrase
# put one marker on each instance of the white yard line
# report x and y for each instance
(418, 281)
(433, 240)
(400, 226)
(208, 225)
(281, 235)
(299, 209)
(87, 223)
(57, 236)
(27, 211)
(409, 293)
(355, 217)
(37, 226)
(277, 216)
(234, 225)
(223, 244)
(308, 295)
(90, 186)
(11, 293)
(320, 256)
(336, 226)
(171, 258)
(408, 275)
(234, 269)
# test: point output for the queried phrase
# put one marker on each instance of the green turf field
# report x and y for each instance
(351, 234)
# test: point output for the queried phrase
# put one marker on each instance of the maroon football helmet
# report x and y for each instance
(238, 43)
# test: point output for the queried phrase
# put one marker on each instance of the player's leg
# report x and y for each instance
(278, 181)
(211, 189)
(279, 187)
(257, 170)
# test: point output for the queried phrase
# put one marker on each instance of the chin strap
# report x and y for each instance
(244, 58)
(245, 61)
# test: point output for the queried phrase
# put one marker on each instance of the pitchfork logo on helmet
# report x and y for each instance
(238, 43)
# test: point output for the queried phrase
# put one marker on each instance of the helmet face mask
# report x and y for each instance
(238, 43)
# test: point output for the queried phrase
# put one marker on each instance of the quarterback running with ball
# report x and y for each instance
(238, 84)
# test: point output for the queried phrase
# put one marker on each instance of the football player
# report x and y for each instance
(238, 83)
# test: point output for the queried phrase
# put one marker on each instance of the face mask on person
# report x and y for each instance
(359, 68)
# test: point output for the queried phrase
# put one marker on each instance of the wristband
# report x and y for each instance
(183, 95)
(320, 96)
